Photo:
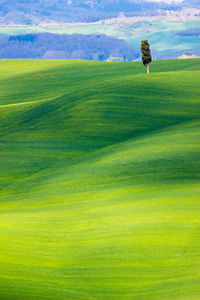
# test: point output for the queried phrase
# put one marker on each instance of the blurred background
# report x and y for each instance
(105, 30)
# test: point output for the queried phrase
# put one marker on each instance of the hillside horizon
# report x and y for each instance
(34, 12)
(172, 27)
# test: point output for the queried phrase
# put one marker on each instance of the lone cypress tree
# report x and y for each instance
(146, 54)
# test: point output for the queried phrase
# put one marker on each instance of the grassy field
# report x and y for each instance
(100, 169)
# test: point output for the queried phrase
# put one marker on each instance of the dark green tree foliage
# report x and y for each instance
(146, 53)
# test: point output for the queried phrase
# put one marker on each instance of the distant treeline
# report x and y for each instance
(62, 46)
(190, 32)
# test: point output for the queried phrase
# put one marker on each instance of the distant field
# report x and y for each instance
(163, 36)
(99, 181)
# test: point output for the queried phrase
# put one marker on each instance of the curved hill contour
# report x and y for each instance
(99, 180)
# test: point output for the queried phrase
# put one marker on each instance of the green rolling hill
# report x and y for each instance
(99, 180)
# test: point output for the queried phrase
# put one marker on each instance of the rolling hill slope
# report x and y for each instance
(99, 180)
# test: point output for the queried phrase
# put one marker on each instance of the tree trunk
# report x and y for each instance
(148, 68)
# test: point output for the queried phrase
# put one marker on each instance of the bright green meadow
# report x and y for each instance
(99, 180)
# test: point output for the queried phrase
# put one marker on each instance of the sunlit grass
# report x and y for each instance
(99, 180)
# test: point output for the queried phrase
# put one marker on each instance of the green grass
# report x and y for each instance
(100, 169)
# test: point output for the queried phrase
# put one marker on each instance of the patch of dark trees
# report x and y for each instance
(63, 46)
